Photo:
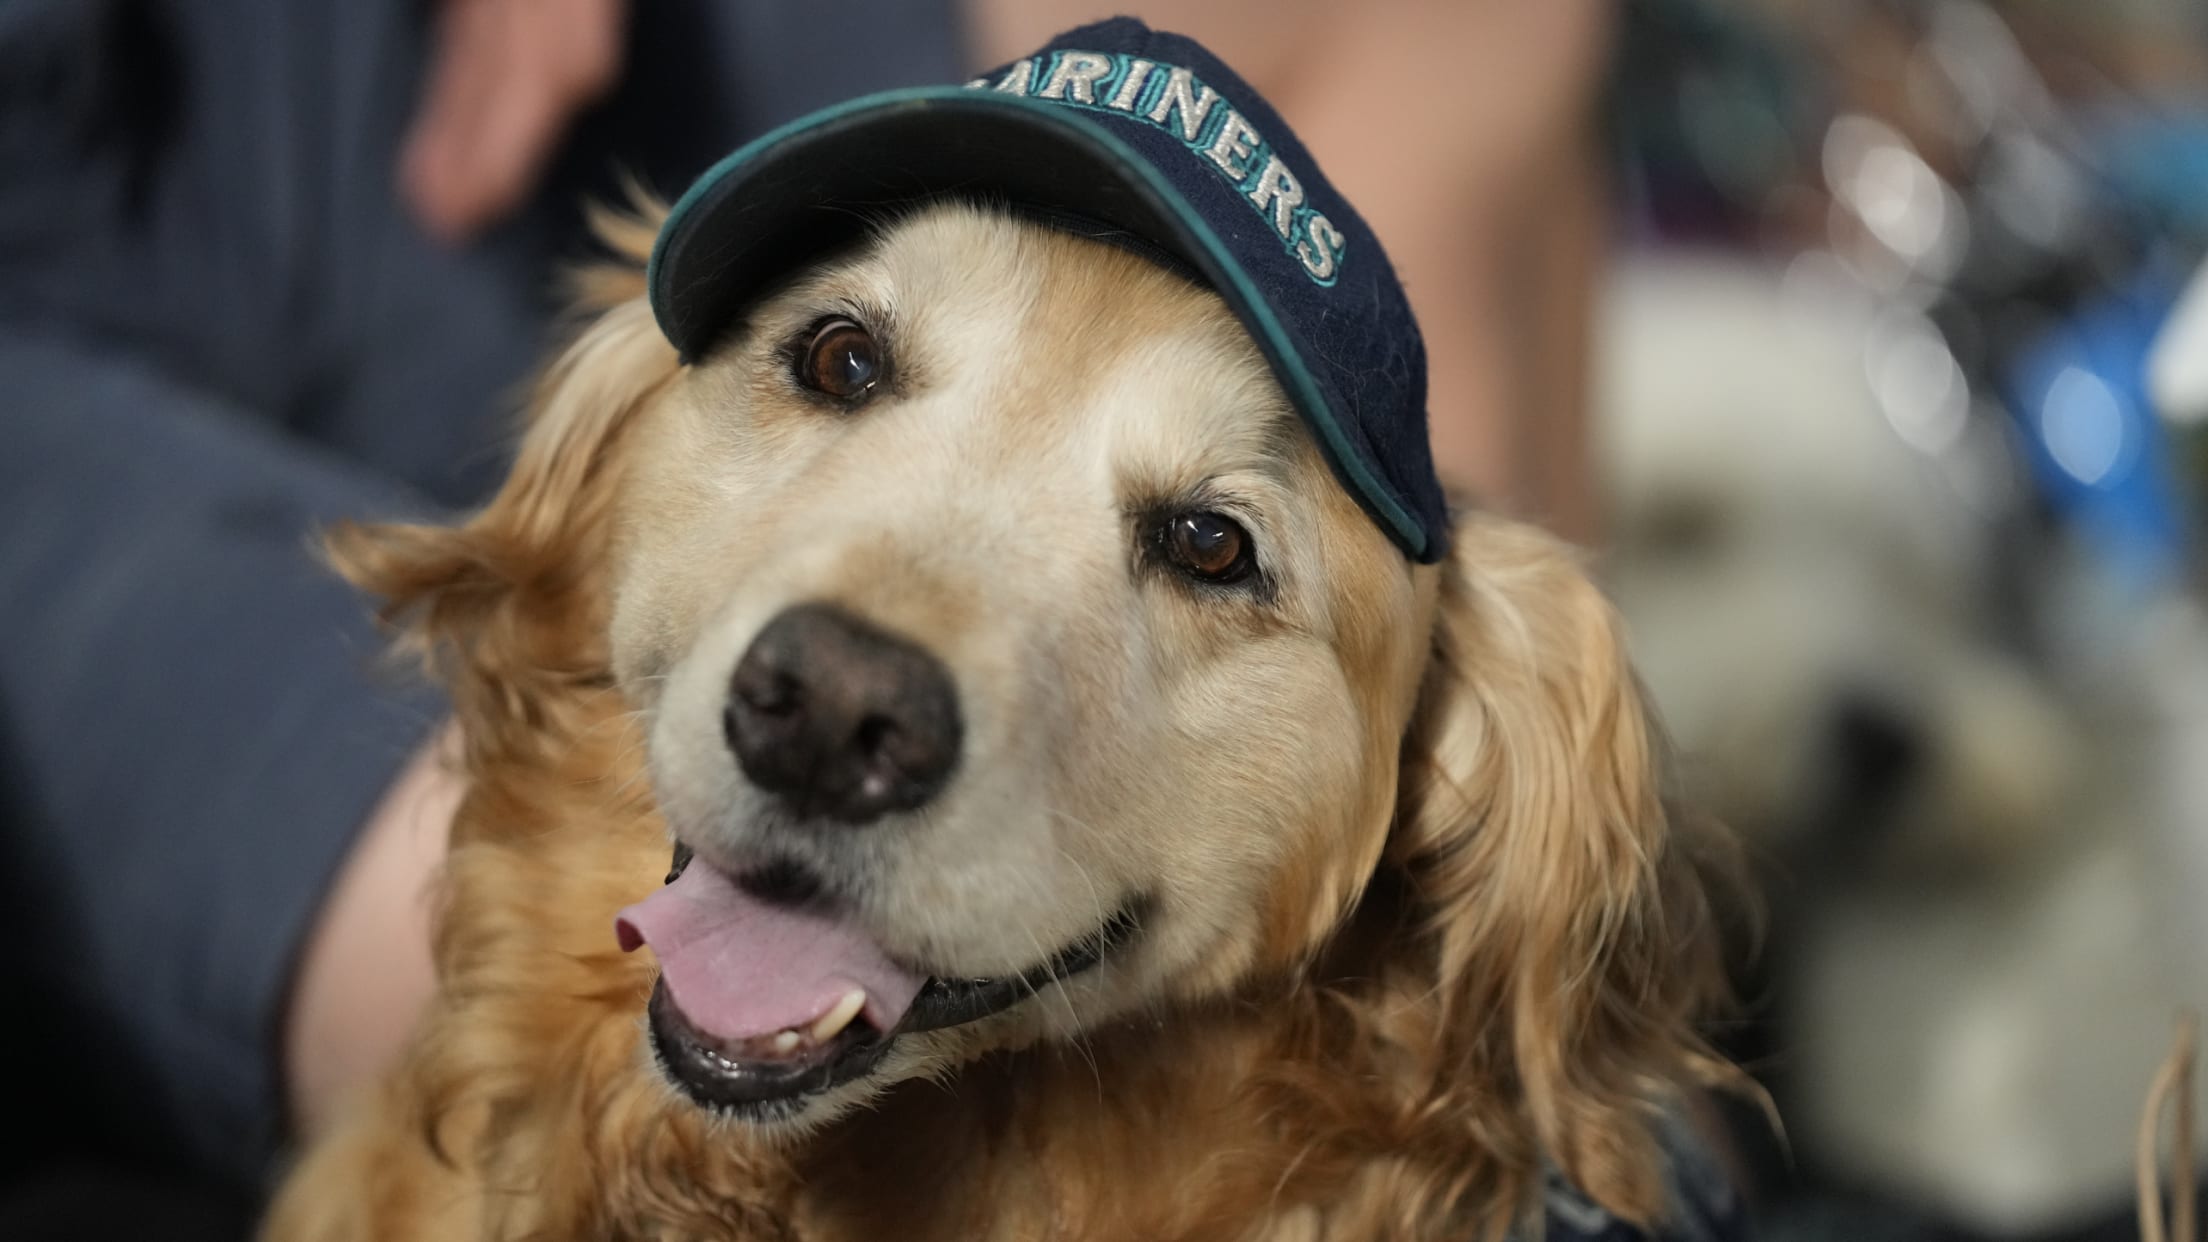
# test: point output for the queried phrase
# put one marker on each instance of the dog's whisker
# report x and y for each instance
(1098, 908)
(1082, 1033)
(1078, 1032)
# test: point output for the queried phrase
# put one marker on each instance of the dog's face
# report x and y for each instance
(1001, 635)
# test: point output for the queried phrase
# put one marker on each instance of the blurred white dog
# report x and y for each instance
(1979, 918)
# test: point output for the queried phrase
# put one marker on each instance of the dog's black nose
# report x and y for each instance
(1877, 752)
(842, 720)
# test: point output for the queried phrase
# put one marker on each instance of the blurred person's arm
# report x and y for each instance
(505, 79)
(1465, 130)
(365, 975)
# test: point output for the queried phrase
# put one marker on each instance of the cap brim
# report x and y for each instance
(817, 184)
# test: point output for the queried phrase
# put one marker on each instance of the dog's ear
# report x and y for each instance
(1565, 921)
(507, 605)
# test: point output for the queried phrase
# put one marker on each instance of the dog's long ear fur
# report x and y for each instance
(505, 605)
(1566, 924)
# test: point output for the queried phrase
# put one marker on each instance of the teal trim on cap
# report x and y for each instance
(1303, 388)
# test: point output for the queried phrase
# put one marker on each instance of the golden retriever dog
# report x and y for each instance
(1085, 823)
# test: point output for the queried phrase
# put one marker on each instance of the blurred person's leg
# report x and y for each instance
(1466, 131)
(194, 733)
(198, 248)
(203, 269)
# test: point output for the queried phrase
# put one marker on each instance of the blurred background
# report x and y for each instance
(1898, 416)
(1865, 342)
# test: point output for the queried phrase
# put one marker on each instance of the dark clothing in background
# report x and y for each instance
(218, 331)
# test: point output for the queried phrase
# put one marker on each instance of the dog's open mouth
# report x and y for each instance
(762, 1002)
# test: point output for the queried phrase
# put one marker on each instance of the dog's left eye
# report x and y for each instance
(1210, 546)
(841, 359)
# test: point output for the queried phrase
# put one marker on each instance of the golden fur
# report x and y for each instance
(1448, 940)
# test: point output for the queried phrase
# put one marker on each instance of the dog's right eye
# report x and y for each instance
(840, 359)
(1210, 547)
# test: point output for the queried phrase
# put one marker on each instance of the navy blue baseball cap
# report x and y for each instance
(1122, 133)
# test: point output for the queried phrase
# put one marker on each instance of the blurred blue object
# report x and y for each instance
(2100, 457)
(2157, 163)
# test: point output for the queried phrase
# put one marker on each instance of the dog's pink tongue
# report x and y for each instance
(740, 968)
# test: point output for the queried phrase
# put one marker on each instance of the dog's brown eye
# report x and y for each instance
(842, 361)
(1210, 546)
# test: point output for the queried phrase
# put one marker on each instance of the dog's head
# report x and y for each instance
(1806, 540)
(1012, 663)
(1000, 632)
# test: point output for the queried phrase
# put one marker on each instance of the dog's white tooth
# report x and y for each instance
(787, 1041)
(829, 1023)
